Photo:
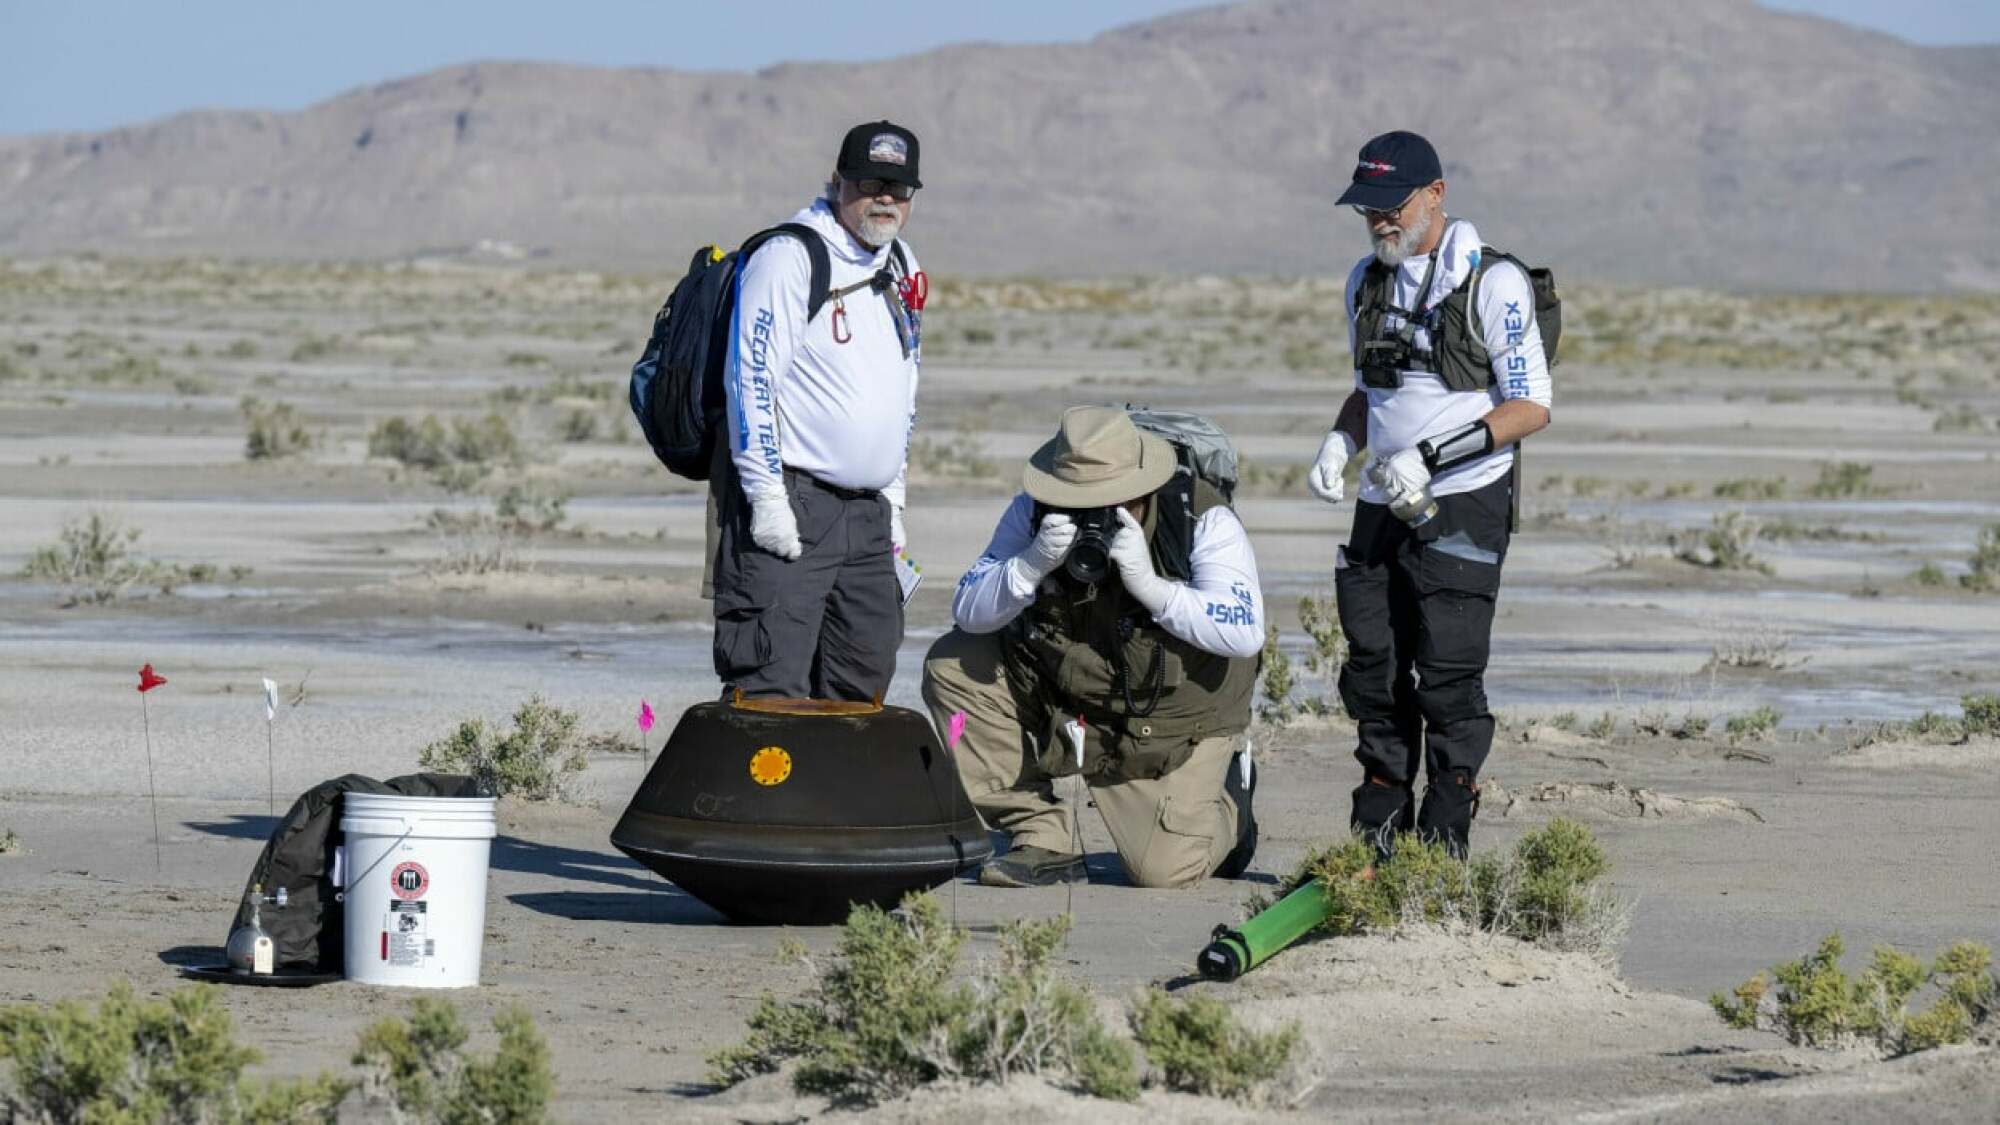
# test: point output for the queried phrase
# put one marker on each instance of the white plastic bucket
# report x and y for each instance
(415, 872)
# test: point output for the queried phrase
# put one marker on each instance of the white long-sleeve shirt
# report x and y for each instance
(1400, 417)
(799, 398)
(1220, 611)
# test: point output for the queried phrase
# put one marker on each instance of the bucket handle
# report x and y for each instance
(354, 877)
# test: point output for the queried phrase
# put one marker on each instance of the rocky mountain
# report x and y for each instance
(1705, 142)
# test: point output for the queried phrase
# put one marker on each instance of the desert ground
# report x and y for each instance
(1753, 574)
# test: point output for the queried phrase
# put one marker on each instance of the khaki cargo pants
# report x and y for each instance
(1170, 832)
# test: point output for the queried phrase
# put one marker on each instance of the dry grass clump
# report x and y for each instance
(537, 760)
(1754, 648)
(1983, 567)
(458, 456)
(10, 844)
(885, 1016)
(1814, 1003)
(1546, 890)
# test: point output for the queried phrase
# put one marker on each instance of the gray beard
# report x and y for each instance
(1394, 250)
(880, 228)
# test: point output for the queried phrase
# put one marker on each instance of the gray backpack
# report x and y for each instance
(1200, 443)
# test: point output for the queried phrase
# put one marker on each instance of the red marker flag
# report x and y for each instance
(149, 679)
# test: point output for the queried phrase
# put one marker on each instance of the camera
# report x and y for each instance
(1382, 362)
(1089, 558)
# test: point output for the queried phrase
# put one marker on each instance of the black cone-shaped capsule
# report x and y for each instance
(794, 810)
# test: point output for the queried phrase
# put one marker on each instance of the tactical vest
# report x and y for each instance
(1458, 355)
(1065, 653)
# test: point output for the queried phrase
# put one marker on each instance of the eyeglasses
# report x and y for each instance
(1392, 214)
(869, 189)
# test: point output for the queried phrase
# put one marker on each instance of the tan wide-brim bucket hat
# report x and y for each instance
(1097, 458)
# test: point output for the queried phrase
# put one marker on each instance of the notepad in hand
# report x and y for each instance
(908, 575)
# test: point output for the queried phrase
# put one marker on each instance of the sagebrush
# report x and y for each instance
(885, 1015)
(535, 760)
(418, 1068)
(1813, 1002)
(1546, 889)
(1199, 1047)
(143, 1061)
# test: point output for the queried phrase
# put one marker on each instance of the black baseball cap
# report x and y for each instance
(1391, 167)
(879, 151)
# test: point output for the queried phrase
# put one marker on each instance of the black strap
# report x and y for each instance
(822, 266)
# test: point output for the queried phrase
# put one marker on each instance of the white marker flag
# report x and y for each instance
(270, 699)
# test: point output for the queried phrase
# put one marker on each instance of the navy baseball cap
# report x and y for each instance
(879, 151)
(1391, 167)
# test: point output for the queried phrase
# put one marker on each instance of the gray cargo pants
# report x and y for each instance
(825, 625)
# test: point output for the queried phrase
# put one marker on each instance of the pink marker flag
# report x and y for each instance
(645, 717)
(957, 728)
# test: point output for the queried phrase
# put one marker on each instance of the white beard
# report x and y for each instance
(879, 226)
(1393, 249)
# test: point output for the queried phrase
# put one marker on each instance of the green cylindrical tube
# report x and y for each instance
(1235, 952)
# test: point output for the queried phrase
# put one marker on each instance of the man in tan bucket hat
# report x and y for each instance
(1111, 629)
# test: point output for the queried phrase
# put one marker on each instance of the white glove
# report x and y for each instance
(1327, 479)
(898, 539)
(1134, 560)
(1048, 548)
(772, 524)
(1402, 473)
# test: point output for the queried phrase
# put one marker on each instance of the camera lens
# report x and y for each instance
(1090, 558)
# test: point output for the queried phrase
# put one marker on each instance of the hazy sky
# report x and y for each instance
(92, 64)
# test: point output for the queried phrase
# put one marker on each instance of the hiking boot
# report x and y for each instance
(1031, 867)
(1240, 785)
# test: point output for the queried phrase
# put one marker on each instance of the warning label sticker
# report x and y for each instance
(406, 937)
(409, 880)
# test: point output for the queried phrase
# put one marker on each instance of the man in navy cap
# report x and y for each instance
(820, 405)
(1449, 376)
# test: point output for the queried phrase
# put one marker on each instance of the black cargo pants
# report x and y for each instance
(825, 625)
(1417, 607)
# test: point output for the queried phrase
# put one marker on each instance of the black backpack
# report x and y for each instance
(677, 391)
(308, 930)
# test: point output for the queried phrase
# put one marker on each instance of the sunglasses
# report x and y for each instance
(1390, 215)
(871, 188)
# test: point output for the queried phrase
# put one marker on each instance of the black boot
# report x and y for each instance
(1382, 808)
(1450, 803)
(1236, 789)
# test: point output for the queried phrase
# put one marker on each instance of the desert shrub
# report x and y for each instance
(92, 560)
(10, 843)
(1726, 545)
(1755, 648)
(1813, 1002)
(1199, 1047)
(458, 455)
(885, 1016)
(1843, 479)
(536, 760)
(1319, 616)
(1751, 488)
(1753, 724)
(961, 455)
(1602, 727)
(1983, 574)
(1928, 575)
(1563, 720)
(579, 425)
(530, 507)
(1547, 889)
(274, 430)
(131, 1060)
(1982, 713)
(1277, 681)
(420, 1070)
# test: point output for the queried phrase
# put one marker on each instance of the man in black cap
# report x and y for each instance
(1449, 376)
(820, 405)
